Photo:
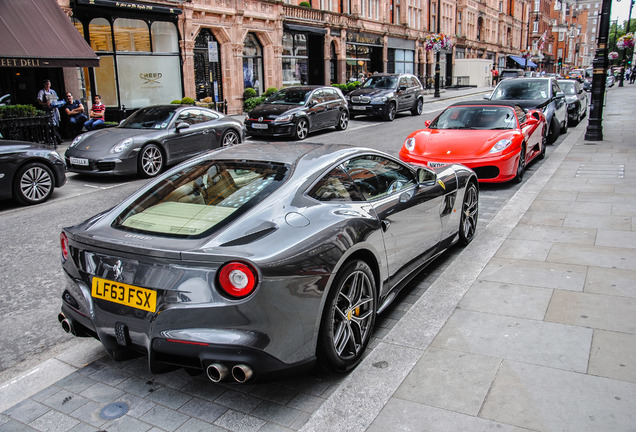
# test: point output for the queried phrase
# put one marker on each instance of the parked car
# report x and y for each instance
(5, 99)
(542, 93)
(587, 83)
(29, 172)
(576, 100)
(497, 140)
(575, 74)
(511, 73)
(151, 139)
(611, 79)
(254, 260)
(298, 110)
(384, 95)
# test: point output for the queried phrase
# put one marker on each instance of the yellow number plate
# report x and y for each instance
(129, 295)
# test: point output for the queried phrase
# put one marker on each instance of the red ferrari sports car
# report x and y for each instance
(497, 140)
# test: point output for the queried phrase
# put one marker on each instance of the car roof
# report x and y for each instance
(305, 87)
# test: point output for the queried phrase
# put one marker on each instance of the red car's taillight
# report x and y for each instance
(64, 246)
(237, 279)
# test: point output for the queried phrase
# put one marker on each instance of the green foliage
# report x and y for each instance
(176, 102)
(270, 91)
(14, 111)
(249, 104)
(187, 101)
(304, 4)
(249, 93)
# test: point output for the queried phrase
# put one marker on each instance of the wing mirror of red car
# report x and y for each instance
(427, 123)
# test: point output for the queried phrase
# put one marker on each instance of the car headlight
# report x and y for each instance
(501, 145)
(284, 118)
(572, 105)
(381, 99)
(122, 146)
(77, 140)
(409, 144)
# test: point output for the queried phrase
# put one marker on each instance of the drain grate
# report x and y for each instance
(601, 171)
(113, 410)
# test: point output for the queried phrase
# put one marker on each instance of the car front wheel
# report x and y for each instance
(390, 112)
(301, 129)
(348, 318)
(150, 161)
(418, 108)
(34, 184)
(553, 131)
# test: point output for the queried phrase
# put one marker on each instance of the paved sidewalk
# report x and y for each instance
(533, 326)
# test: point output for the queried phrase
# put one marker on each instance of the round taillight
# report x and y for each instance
(237, 279)
(64, 246)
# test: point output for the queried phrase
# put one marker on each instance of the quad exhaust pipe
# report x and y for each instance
(218, 372)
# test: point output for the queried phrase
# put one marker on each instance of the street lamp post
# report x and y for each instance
(437, 67)
(594, 131)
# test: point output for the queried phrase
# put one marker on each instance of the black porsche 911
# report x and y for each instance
(250, 261)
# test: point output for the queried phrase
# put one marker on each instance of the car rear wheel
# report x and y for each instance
(521, 166)
(390, 112)
(418, 108)
(230, 137)
(34, 184)
(553, 131)
(343, 121)
(470, 211)
(543, 144)
(150, 161)
(348, 318)
(564, 125)
(301, 129)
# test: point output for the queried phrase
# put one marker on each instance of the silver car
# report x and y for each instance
(253, 260)
(543, 93)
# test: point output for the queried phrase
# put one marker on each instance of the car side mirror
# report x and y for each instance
(182, 125)
(311, 103)
(487, 96)
(427, 123)
(425, 176)
(402, 88)
(560, 95)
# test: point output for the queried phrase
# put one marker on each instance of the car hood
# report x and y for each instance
(371, 92)
(103, 140)
(571, 98)
(453, 144)
(11, 146)
(271, 111)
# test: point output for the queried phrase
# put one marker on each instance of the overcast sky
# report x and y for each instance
(620, 10)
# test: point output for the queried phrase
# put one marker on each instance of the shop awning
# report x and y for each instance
(522, 62)
(37, 33)
(305, 29)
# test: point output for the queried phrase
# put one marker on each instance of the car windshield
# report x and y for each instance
(521, 89)
(290, 96)
(150, 118)
(201, 197)
(381, 82)
(568, 87)
(476, 117)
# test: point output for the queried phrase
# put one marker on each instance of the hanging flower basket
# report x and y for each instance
(613, 55)
(526, 54)
(626, 41)
(438, 42)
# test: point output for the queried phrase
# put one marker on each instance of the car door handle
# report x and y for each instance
(385, 225)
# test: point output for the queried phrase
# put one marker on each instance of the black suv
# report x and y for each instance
(384, 95)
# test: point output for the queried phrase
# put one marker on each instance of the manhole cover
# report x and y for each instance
(113, 410)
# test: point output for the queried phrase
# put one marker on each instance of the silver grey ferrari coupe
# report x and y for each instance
(251, 260)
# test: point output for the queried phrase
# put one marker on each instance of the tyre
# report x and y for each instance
(230, 137)
(521, 166)
(343, 121)
(390, 112)
(418, 108)
(301, 129)
(150, 161)
(348, 318)
(553, 131)
(34, 184)
(564, 126)
(543, 146)
(470, 211)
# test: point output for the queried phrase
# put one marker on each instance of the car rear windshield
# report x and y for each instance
(201, 197)
(521, 89)
(149, 118)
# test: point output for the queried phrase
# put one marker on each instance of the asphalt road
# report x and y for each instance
(31, 274)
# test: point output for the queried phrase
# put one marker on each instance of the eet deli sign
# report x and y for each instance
(20, 62)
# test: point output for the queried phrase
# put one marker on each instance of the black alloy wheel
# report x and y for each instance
(390, 112)
(150, 161)
(521, 166)
(348, 318)
(418, 108)
(553, 131)
(470, 212)
(34, 184)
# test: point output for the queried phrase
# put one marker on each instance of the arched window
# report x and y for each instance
(164, 37)
(131, 35)
(252, 64)
(99, 30)
(207, 67)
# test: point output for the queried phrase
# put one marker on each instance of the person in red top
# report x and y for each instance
(97, 114)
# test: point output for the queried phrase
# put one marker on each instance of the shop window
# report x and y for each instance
(131, 35)
(105, 84)
(99, 31)
(294, 59)
(164, 37)
(252, 64)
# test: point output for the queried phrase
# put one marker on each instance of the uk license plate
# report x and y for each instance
(359, 108)
(79, 161)
(121, 293)
(259, 126)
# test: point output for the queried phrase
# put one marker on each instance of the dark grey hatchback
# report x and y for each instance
(384, 95)
(296, 111)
